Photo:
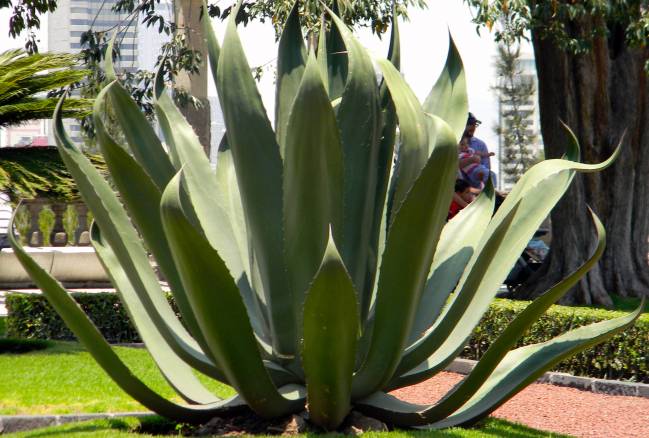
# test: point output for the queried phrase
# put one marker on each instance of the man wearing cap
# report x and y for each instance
(478, 145)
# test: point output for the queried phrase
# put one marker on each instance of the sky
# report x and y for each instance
(424, 44)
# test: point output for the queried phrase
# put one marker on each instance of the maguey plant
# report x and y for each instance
(307, 269)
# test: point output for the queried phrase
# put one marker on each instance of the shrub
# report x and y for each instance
(624, 357)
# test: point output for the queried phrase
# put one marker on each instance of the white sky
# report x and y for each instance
(424, 45)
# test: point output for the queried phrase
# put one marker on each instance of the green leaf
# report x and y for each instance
(533, 197)
(322, 54)
(412, 239)
(336, 59)
(142, 139)
(519, 368)
(90, 337)
(213, 48)
(149, 303)
(457, 243)
(413, 150)
(448, 97)
(291, 61)
(330, 329)
(313, 176)
(222, 316)
(259, 172)
(358, 118)
(526, 364)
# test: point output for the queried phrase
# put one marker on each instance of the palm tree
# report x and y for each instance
(25, 80)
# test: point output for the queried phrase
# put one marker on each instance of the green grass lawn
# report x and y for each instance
(129, 428)
(65, 379)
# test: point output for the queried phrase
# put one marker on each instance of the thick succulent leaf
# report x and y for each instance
(498, 350)
(291, 60)
(90, 337)
(518, 369)
(358, 119)
(411, 243)
(141, 196)
(526, 364)
(322, 54)
(413, 150)
(457, 243)
(448, 97)
(156, 344)
(384, 163)
(126, 245)
(229, 198)
(109, 66)
(533, 197)
(219, 310)
(313, 177)
(209, 203)
(213, 48)
(142, 139)
(337, 62)
(259, 172)
(330, 329)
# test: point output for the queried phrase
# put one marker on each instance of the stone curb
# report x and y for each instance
(600, 386)
(20, 423)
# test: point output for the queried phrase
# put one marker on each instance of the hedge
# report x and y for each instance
(625, 357)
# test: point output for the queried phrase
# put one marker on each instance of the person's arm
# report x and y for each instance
(469, 160)
(459, 201)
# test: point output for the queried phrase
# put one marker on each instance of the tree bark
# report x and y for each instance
(603, 96)
(188, 21)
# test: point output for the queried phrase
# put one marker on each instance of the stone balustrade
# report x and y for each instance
(67, 224)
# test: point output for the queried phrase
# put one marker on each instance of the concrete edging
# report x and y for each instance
(20, 423)
(600, 386)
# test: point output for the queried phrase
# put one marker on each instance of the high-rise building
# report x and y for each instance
(74, 17)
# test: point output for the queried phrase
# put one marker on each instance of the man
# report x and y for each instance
(478, 145)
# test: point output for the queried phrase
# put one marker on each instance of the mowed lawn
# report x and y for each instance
(66, 379)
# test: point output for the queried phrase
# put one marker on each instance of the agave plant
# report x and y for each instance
(306, 269)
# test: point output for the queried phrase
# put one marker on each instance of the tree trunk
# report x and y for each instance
(603, 96)
(188, 21)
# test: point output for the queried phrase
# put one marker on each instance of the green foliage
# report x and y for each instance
(70, 222)
(303, 218)
(31, 317)
(46, 224)
(516, 93)
(38, 172)
(23, 78)
(625, 356)
(18, 346)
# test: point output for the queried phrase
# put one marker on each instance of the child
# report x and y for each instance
(461, 198)
(474, 172)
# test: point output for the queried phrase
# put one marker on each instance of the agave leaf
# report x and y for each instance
(461, 393)
(384, 171)
(291, 61)
(456, 246)
(413, 152)
(313, 176)
(109, 67)
(358, 119)
(322, 53)
(141, 196)
(524, 365)
(448, 98)
(330, 329)
(125, 242)
(213, 48)
(337, 63)
(222, 316)
(409, 252)
(537, 192)
(259, 172)
(519, 368)
(216, 215)
(90, 337)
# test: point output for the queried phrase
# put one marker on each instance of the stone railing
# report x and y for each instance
(43, 222)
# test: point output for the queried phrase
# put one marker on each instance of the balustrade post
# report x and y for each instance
(82, 224)
(58, 236)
